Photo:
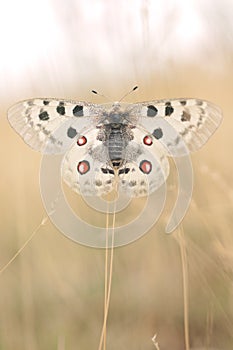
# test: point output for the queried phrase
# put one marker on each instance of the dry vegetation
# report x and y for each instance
(52, 294)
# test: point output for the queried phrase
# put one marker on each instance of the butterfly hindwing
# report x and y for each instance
(84, 167)
(148, 170)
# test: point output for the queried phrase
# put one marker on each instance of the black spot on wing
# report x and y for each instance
(157, 133)
(185, 117)
(45, 102)
(44, 116)
(78, 111)
(104, 170)
(168, 109)
(71, 132)
(61, 108)
(123, 171)
(107, 171)
(151, 111)
(183, 102)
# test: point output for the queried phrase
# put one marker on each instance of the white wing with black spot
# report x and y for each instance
(85, 169)
(148, 168)
(177, 123)
(160, 128)
(49, 125)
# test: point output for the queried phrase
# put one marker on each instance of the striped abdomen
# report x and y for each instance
(116, 143)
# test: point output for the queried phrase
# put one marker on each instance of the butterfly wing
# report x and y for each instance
(147, 168)
(178, 123)
(52, 126)
(84, 167)
(49, 125)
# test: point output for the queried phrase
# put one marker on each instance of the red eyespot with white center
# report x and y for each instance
(147, 140)
(82, 141)
(83, 167)
(145, 166)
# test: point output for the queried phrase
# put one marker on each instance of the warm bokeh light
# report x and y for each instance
(75, 42)
(28, 32)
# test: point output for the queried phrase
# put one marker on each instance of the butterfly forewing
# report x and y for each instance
(38, 121)
(193, 120)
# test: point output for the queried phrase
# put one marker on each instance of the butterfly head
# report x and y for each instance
(115, 114)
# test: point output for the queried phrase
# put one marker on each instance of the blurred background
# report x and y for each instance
(52, 294)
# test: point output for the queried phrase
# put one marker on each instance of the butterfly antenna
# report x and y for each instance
(97, 93)
(129, 92)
